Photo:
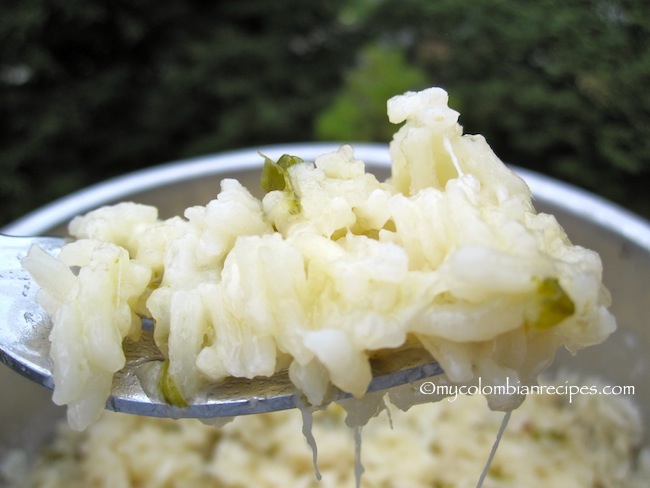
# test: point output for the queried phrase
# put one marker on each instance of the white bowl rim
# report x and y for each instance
(583, 204)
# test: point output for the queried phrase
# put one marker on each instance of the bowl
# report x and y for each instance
(621, 238)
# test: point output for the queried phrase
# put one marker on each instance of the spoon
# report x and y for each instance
(25, 345)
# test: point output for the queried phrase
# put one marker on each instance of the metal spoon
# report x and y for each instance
(25, 345)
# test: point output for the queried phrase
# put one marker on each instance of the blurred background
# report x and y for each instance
(90, 89)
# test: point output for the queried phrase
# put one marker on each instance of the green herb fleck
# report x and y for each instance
(169, 389)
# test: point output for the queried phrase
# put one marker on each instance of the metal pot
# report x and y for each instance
(622, 239)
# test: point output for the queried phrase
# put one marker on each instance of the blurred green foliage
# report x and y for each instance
(555, 86)
(90, 89)
(93, 88)
(359, 111)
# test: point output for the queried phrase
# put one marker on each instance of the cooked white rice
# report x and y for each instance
(591, 442)
(330, 266)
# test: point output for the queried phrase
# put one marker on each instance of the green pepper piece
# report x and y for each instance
(275, 176)
(555, 305)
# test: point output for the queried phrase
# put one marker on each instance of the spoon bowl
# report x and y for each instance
(25, 345)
